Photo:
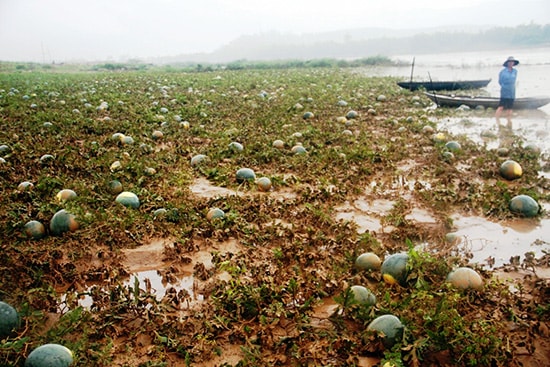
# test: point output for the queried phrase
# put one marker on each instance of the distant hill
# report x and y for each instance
(367, 42)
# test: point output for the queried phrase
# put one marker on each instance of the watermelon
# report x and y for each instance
(465, 278)
(46, 158)
(128, 199)
(453, 146)
(160, 213)
(502, 152)
(65, 194)
(524, 205)
(510, 170)
(149, 171)
(342, 103)
(394, 269)
(264, 184)
(9, 319)
(245, 174)
(34, 229)
(236, 146)
(157, 135)
(279, 144)
(308, 115)
(50, 355)
(126, 140)
(215, 213)
(62, 222)
(198, 159)
(116, 166)
(298, 149)
(448, 156)
(427, 129)
(115, 187)
(4, 149)
(390, 328)
(439, 137)
(341, 119)
(117, 137)
(368, 261)
(25, 186)
(363, 296)
(352, 115)
(532, 148)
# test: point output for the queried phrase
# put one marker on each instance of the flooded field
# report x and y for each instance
(489, 242)
(167, 255)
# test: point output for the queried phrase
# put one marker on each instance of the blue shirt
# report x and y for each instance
(507, 81)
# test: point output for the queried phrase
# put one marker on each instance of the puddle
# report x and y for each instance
(531, 127)
(493, 244)
(368, 215)
(363, 214)
(147, 263)
(203, 188)
(420, 216)
(489, 244)
(150, 281)
(400, 184)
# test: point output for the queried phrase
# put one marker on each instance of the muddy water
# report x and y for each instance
(489, 244)
(147, 264)
(486, 241)
(493, 244)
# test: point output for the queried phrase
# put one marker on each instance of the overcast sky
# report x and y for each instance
(65, 30)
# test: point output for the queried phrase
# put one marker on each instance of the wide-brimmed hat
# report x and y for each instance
(511, 58)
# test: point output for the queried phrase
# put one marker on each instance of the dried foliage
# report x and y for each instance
(274, 289)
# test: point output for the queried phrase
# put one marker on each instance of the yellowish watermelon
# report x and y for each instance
(465, 278)
(510, 170)
(368, 261)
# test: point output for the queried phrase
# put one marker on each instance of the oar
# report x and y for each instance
(412, 70)
(433, 91)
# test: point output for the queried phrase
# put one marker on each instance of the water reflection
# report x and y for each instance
(483, 130)
(496, 244)
(145, 282)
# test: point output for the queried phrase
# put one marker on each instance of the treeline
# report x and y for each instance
(202, 67)
(315, 63)
(262, 48)
(494, 38)
(257, 52)
(278, 64)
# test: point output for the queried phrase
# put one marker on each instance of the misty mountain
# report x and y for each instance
(367, 42)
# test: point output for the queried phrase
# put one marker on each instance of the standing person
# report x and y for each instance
(507, 80)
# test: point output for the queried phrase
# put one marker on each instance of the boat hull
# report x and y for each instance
(525, 103)
(445, 85)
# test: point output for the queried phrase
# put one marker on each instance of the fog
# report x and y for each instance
(77, 30)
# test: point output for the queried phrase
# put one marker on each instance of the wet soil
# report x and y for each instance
(266, 284)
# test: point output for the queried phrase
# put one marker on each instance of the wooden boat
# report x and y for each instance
(525, 103)
(445, 85)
